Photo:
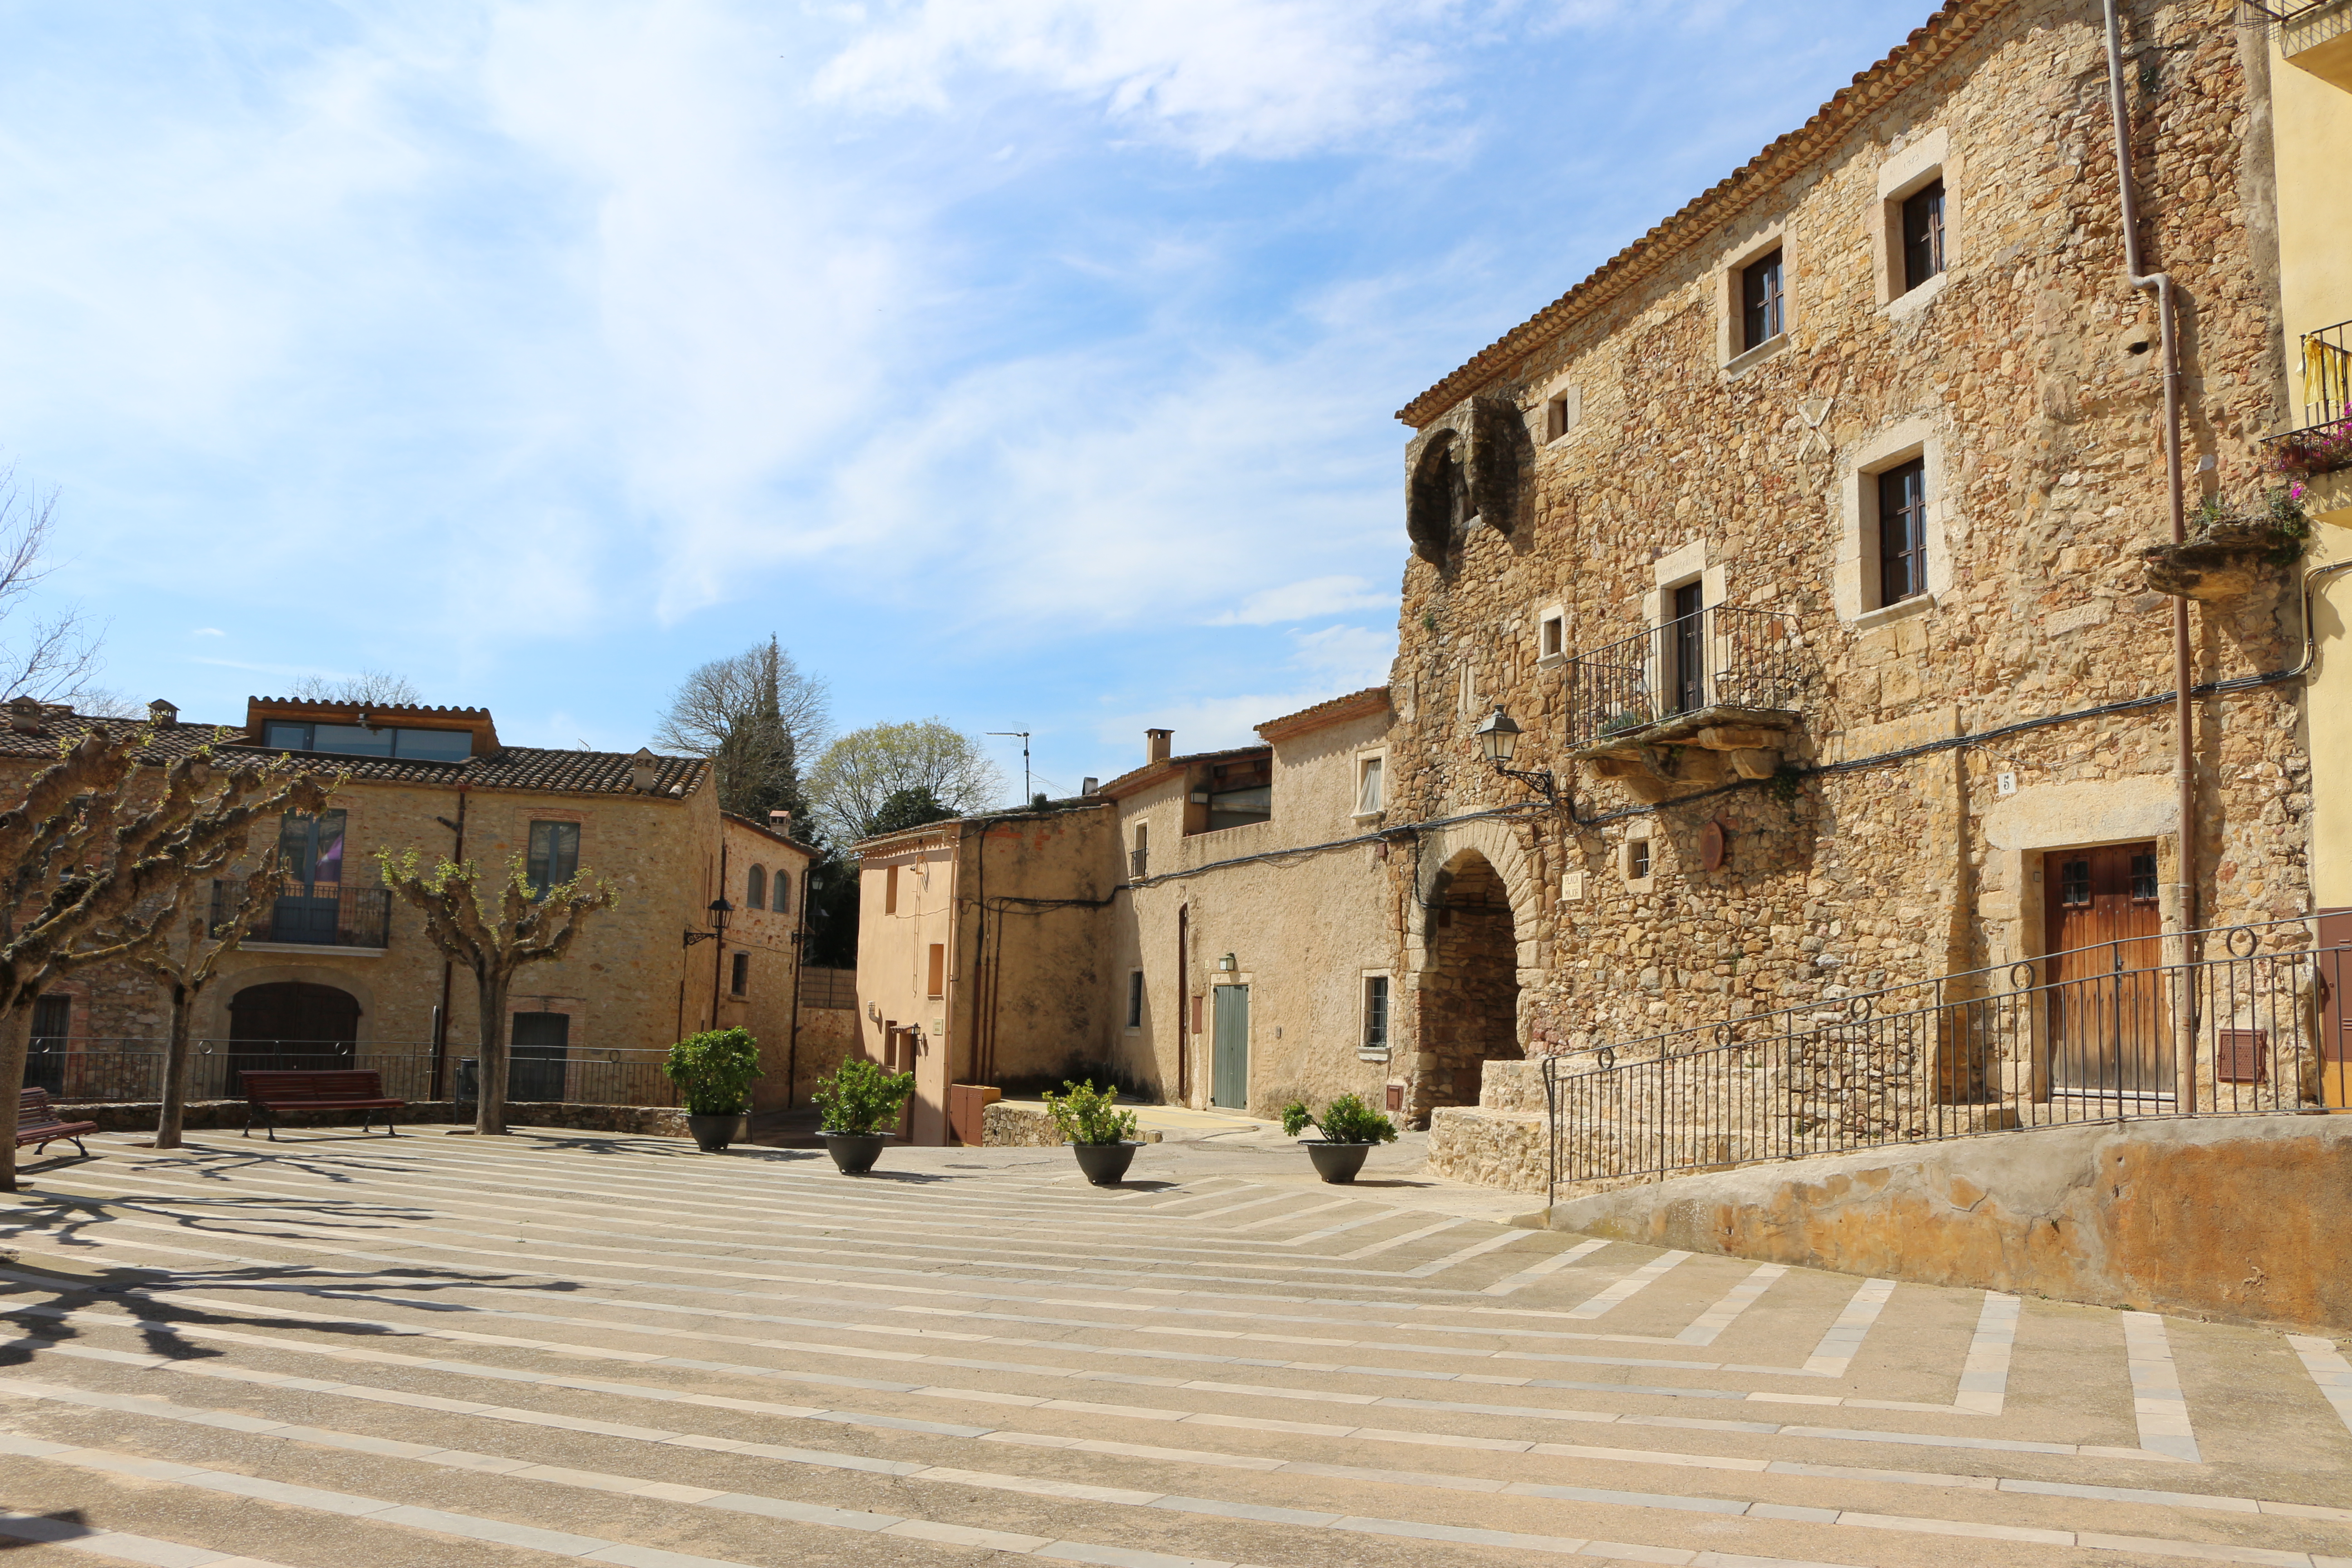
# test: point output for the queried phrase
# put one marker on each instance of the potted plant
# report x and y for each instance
(854, 1104)
(1350, 1128)
(1101, 1136)
(714, 1070)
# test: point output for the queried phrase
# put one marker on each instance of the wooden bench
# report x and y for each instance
(38, 1123)
(272, 1090)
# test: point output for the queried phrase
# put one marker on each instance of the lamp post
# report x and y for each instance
(1498, 740)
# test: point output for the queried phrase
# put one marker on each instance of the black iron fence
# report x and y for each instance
(1720, 656)
(315, 914)
(2128, 1030)
(93, 1071)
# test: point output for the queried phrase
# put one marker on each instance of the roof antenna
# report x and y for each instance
(1026, 796)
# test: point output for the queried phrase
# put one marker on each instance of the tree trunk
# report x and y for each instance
(176, 1059)
(490, 1067)
(15, 1039)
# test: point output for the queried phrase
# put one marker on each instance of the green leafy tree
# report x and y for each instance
(494, 927)
(909, 808)
(864, 771)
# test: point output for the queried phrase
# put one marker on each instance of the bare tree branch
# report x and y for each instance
(380, 688)
(50, 659)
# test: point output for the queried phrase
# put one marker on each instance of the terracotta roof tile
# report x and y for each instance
(1354, 705)
(532, 768)
(1927, 47)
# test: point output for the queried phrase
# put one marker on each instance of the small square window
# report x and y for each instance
(2074, 884)
(1551, 637)
(1368, 785)
(2143, 879)
(1559, 417)
(1763, 302)
(1637, 860)
(1376, 1013)
(1135, 999)
(740, 977)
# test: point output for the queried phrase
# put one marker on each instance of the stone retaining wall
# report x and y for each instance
(1013, 1124)
(228, 1115)
(2237, 1216)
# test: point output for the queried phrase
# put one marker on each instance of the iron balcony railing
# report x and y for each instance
(100, 1071)
(314, 914)
(1721, 657)
(2128, 1030)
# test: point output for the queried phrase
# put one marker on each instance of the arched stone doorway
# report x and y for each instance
(290, 1023)
(1470, 985)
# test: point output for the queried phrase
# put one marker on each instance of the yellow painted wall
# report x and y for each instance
(2312, 129)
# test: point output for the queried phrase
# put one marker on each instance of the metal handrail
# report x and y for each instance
(1721, 657)
(2248, 1031)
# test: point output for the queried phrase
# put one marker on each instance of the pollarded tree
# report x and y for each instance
(87, 874)
(185, 956)
(521, 924)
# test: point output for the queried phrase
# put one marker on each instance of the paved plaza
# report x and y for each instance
(443, 1350)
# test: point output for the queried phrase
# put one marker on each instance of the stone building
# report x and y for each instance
(1817, 545)
(336, 966)
(1212, 929)
(2310, 61)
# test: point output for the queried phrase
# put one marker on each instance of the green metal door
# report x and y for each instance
(1229, 1081)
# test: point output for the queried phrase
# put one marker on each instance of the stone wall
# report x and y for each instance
(2237, 1217)
(229, 1115)
(1017, 1124)
(1898, 830)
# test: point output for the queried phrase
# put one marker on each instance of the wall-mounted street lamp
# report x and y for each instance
(720, 909)
(1227, 965)
(1498, 739)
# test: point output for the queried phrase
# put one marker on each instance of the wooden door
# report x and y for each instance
(2108, 1033)
(1689, 648)
(1229, 1073)
(537, 1046)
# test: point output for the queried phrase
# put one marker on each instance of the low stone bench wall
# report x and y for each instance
(1506, 1149)
(1017, 1124)
(2232, 1216)
(228, 1116)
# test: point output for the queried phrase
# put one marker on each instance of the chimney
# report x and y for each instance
(781, 821)
(641, 770)
(1091, 785)
(1156, 744)
(162, 712)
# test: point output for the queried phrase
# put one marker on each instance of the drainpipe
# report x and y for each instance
(441, 1014)
(2183, 713)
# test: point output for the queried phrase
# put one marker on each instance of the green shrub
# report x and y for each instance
(860, 1098)
(1347, 1119)
(1088, 1115)
(714, 1070)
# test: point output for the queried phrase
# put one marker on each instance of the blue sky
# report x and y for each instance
(1029, 363)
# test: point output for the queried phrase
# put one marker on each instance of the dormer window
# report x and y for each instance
(369, 741)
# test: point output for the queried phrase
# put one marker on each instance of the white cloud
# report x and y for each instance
(1348, 658)
(1263, 79)
(1303, 601)
(208, 632)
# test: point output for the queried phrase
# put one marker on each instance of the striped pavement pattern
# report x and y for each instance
(331, 1352)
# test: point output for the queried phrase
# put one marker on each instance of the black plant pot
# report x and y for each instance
(855, 1152)
(1335, 1162)
(1104, 1163)
(713, 1133)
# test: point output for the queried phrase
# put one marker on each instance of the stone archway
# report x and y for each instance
(1469, 984)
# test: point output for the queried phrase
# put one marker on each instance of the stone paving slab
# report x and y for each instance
(613, 1349)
